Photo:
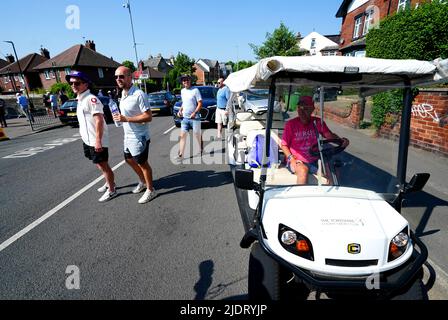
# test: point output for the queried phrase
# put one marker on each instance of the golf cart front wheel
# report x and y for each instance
(264, 275)
(415, 290)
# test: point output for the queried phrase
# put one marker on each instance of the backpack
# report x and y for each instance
(255, 155)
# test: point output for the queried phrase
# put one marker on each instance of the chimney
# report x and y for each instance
(44, 52)
(91, 45)
(10, 58)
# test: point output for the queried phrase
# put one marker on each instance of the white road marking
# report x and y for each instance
(50, 213)
(170, 129)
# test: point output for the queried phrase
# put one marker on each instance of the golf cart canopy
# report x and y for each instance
(369, 74)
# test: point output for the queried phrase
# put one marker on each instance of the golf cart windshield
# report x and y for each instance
(356, 81)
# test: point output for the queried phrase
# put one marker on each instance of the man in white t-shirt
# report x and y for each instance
(93, 129)
(190, 111)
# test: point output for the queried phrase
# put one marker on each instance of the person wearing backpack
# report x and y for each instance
(299, 135)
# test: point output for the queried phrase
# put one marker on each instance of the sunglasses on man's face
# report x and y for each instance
(75, 83)
(119, 76)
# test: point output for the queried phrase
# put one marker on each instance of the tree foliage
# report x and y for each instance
(129, 64)
(282, 42)
(183, 64)
(62, 86)
(420, 33)
(243, 64)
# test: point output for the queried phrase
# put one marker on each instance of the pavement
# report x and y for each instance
(20, 127)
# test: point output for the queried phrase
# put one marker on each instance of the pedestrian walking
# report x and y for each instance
(46, 101)
(93, 130)
(54, 103)
(222, 97)
(135, 116)
(62, 97)
(190, 114)
(3, 123)
(23, 103)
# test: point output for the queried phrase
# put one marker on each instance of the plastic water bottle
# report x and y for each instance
(114, 110)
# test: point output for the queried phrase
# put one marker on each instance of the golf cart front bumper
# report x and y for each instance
(383, 282)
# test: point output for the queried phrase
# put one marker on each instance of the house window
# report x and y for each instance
(67, 70)
(47, 75)
(313, 43)
(16, 78)
(361, 53)
(100, 73)
(5, 79)
(368, 22)
(52, 74)
(358, 22)
(403, 5)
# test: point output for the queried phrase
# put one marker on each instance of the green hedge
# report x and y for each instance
(421, 34)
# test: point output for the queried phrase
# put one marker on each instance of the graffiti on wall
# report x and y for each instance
(425, 110)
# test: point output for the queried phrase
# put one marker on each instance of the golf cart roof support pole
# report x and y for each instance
(267, 140)
(319, 142)
(404, 134)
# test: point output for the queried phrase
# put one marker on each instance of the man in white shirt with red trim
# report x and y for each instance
(93, 130)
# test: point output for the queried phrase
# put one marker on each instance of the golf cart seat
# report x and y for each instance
(282, 176)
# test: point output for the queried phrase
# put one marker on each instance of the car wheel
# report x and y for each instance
(264, 275)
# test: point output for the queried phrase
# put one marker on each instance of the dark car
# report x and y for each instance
(208, 94)
(67, 112)
(162, 102)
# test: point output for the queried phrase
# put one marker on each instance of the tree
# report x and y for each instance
(129, 64)
(243, 64)
(421, 33)
(183, 64)
(282, 42)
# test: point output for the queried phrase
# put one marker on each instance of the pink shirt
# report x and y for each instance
(299, 137)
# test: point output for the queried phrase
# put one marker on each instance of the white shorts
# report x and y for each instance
(220, 116)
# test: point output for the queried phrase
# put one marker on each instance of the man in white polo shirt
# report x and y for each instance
(135, 116)
(93, 129)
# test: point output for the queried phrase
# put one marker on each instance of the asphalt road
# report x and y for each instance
(182, 245)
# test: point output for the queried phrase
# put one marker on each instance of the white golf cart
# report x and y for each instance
(342, 233)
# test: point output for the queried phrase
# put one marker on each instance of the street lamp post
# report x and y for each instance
(128, 6)
(21, 74)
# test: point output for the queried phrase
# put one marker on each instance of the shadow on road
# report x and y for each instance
(205, 279)
(192, 180)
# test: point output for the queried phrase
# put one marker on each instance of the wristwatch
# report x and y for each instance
(289, 157)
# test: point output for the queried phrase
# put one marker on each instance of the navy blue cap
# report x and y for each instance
(77, 74)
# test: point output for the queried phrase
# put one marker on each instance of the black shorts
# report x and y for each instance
(140, 158)
(96, 157)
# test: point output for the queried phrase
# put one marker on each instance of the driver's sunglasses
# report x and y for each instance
(305, 107)
(120, 76)
(75, 83)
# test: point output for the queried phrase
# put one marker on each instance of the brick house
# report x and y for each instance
(358, 16)
(99, 68)
(207, 71)
(10, 78)
(157, 63)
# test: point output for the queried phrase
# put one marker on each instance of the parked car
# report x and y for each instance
(67, 112)
(162, 101)
(208, 94)
(256, 101)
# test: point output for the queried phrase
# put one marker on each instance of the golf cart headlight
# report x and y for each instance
(289, 237)
(295, 242)
(401, 240)
(398, 245)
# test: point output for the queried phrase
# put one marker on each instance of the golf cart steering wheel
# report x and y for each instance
(330, 147)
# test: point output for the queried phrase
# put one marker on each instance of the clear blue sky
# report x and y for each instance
(218, 30)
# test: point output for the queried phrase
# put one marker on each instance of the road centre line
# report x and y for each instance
(170, 129)
(50, 213)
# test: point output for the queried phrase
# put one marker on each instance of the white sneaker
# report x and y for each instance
(107, 196)
(103, 188)
(139, 188)
(147, 196)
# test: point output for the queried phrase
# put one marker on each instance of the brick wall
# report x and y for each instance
(429, 122)
(350, 118)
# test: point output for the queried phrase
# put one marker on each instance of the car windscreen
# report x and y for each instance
(70, 104)
(207, 92)
(155, 97)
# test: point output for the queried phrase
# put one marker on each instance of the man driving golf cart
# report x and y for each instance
(299, 135)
